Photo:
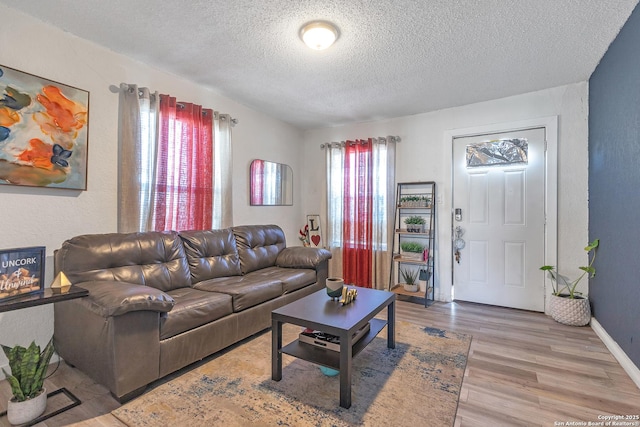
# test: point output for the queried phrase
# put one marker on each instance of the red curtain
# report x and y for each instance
(257, 182)
(184, 181)
(357, 229)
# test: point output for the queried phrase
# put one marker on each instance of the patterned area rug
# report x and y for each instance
(415, 384)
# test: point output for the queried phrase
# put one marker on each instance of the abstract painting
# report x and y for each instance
(43, 132)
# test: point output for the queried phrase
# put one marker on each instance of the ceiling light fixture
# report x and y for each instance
(319, 35)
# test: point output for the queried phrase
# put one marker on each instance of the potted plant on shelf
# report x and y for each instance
(415, 224)
(567, 305)
(410, 278)
(412, 250)
(28, 370)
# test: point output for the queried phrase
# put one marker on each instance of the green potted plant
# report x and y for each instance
(415, 223)
(412, 249)
(410, 279)
(28, 370)
(567, 305)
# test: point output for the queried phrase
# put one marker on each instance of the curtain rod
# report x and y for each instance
(380, 139)
(132, 87)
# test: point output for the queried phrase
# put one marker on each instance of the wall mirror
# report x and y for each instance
(271, 184)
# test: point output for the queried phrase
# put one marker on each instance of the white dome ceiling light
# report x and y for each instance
(319, 35)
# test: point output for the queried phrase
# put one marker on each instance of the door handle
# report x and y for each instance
(458, 214)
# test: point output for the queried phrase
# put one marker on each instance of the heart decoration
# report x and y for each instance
(315, 239)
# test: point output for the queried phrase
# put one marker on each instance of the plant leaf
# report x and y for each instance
(592, 245)
(43, 364)
(546, 267)
(28, 368)
(590, 270)
(15, 386)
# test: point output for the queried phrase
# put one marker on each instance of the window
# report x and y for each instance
(168, 179)
(339, 196)
(360, 178)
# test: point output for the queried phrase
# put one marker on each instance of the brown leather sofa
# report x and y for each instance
(161, 301)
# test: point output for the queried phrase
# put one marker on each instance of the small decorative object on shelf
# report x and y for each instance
(61, 284)
(329, 341)
(304, 236)
(348, 295)
(415, 202)
(334, 286)
(410, 277)
(413, 250)
(21, 272)
(415, 224)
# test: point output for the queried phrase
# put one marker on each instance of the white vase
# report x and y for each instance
(334, 286)
(28, 410)
(570, 311)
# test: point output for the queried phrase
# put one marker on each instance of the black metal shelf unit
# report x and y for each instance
(415, 203)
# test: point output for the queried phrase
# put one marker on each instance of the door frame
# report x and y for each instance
(550, 124)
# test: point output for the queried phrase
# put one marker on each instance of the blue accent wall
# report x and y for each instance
(614, 188)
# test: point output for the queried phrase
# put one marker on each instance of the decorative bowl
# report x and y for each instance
(334, 286)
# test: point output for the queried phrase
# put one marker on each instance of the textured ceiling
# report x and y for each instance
(393, 57)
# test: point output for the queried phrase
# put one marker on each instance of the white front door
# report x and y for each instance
(502, 218)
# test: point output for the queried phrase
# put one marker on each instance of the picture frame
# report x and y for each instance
(21, 272)
(315, 231)
(44, 128)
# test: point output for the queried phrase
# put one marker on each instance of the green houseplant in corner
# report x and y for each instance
(28, 371)
(567, 305)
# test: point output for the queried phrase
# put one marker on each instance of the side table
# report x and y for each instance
(33, 300)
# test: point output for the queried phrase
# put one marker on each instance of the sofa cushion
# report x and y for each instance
(292, 278)
(301, 257)
(246, 291)
(108, 298)
(155, 259)
(211, 254)
(193, 308)
(258, 246)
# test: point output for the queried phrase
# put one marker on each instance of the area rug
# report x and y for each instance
(416, 384)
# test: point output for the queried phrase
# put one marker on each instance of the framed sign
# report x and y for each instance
(21, 271)
(315, 234)
(43, 132)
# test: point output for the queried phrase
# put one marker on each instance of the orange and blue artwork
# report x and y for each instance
(43, 132)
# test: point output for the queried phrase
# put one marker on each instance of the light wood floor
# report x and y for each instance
(523, 369)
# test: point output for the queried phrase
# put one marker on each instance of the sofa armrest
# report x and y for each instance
(113, 298)
(302, 257)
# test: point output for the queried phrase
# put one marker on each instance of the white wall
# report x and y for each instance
(424, 156)
(47, 217)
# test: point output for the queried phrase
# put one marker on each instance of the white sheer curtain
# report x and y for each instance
(138, 142)
(222, 163)
(384, 150)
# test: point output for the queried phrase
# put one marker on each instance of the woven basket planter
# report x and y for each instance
(568, 311)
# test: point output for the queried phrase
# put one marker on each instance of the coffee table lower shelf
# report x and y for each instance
(330, 358)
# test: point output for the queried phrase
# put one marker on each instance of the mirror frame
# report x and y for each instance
(266, 174)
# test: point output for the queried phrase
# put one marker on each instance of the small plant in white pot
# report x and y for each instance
(28, 371)
(410, 278)
(412, 250)
(567, 305)
(415, 224)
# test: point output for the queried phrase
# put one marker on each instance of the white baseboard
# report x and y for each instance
(626, 363)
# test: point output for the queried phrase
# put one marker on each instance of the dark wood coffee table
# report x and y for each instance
(317, 311)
